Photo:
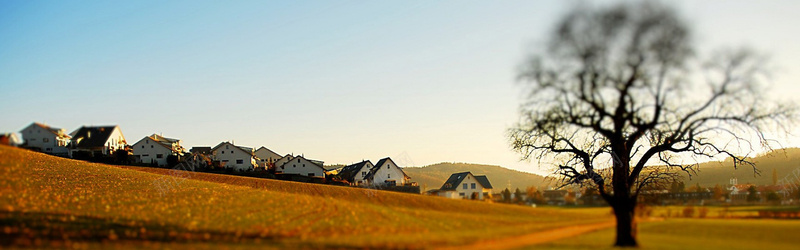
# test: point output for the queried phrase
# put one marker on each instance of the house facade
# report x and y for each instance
(266, 158)
(465, 185)
(101, 140)
(356, 174)
(299, 165)
(232, 156)
(45, 139)
(387, 173)
(283, 160)
(155, 149)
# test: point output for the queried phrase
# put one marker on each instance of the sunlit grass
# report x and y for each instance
(49, 200)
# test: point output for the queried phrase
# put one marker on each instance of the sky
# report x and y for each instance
(340, 80)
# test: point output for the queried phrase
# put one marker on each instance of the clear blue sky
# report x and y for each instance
(338, 81)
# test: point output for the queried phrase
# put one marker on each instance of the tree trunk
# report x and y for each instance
(626, 226)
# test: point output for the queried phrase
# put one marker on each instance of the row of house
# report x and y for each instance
(99, 141)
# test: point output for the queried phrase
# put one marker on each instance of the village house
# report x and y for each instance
(232, 156)
(387, 173)
(10, 139)
(102, 140)
(201, 150)
(266, 158)
(465, 185)
(356, 174)
(46, 139)
(283, 160)
(299, 165)
(155, 149)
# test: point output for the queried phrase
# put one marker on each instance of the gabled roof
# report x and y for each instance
(378, 167)
(92, 137)
(56, 131)
(483, 181)
(201, 150)
(268, 150)
(309, 161)
(160, 140)
(456, 179)
(243, 149)
(349, 172)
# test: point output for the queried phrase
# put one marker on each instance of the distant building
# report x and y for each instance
(387, 173)
(155, 149)
(465, 185)
(283, 160)
(101, 140)
(46, 139)
(266, 158)
(301, 166)
(236, 157)
(555, 197)
(10, 139)
(356, 174)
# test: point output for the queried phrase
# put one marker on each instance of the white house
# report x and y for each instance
(232, 156)
(45, 138)
(302, 166)
(387, 173)
(466, 186)
(356, 174)
(266, 158)
(155, 149)
(102, 140)
(283, 160)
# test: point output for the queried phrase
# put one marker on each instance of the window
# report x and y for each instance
(464, 186)
(142, 146)
(226, 146)
(304, 165)
(49, 149)
(224, 160)
(223, 152)
(461, 194)
(151, 146)
(231, 151)
(310, 174)
(145, 155)
(473, 185)
(159, 156)
(146, 142)
(388, 176)
(239, 161)
(363, 174)
(45, 140)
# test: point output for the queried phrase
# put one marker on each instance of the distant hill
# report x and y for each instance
(433, 176)
(783, 161)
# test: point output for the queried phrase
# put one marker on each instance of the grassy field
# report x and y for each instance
(698, 234)
(50, 201)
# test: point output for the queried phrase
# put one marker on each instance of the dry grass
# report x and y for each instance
(49, 201)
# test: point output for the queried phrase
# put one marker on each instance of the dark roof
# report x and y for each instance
(92, 137)
(484, 181)
(348, 173)
(456, 179)
(201, 150)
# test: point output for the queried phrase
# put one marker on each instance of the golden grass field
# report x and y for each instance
(51, 201)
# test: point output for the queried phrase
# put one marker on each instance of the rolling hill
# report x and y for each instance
(783, 161)
(47, 201)
(433, 176)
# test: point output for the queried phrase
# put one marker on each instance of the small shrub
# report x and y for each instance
(688, 212)
(702, 213)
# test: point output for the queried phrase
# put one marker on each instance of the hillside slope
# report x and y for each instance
(783, 161)
(51, 201)
(433, 176)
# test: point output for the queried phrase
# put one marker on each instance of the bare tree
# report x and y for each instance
(620, 101)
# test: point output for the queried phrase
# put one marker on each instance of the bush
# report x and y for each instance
(688, 212)
(702, 212)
